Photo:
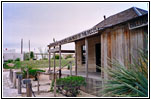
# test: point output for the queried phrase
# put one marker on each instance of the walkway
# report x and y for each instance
(8, 90)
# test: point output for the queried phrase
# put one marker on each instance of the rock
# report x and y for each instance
(10, 64)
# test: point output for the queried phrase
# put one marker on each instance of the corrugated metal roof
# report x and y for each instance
(108, 22)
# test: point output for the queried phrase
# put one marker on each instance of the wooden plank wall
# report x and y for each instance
(121, 44)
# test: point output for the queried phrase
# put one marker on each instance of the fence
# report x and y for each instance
(18, 82)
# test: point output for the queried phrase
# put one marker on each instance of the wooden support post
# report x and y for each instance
(76, 59)
(70, 68)
(86, 59)
(12, 76)
(54, 74)
(28, 89)
(38, 74)
(14, 79)
(60, 61)
(27, 73)
(19, 83)
(49, 59)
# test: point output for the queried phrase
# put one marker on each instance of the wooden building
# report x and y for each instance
(116, 37)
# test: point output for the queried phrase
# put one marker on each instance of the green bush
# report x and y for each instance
(56, 56)
(9, 60)
(32, 72)
(17, 59)
(128, 81)
(69, 86)
(32, 55)
(5, 66)
(17, 64)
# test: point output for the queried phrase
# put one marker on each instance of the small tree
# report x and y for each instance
(32, 55)
(56, 56)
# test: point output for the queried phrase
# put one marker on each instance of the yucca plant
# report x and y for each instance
(128, 81)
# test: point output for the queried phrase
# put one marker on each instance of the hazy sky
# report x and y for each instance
(41, 22)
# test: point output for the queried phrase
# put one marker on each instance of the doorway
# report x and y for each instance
(98, 57)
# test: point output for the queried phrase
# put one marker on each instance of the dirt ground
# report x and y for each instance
(44, 82)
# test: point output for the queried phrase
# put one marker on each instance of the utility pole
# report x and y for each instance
(29, 49)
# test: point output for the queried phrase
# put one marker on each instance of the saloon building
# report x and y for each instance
(116, 37)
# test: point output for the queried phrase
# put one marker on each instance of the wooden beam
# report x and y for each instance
(86, 59)
(54, 50)
(75, 37)
(54, 72)
(66, 51)
(76, 59)
(49, 60)
(60, 61)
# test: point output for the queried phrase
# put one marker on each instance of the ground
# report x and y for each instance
(9, 91)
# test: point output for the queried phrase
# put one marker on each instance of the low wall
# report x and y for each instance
(12, 56)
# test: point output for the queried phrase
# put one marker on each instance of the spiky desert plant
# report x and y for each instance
(128, 81)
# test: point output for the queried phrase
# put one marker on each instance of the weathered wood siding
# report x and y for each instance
(91, 53)
(121, 44)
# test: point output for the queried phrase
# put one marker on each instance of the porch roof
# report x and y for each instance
(118, 18)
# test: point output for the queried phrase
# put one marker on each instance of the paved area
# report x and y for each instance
(8, 90)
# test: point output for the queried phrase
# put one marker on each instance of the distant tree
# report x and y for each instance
(32, 55)
(43, 53)
(56, 56)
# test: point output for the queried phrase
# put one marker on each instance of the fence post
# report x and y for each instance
(70, 68)
(27, 73)
(19, 84)
(28, 87)
(11, 75)
(38, 74)
(14, 79)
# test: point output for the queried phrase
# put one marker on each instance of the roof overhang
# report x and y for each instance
(89, 32)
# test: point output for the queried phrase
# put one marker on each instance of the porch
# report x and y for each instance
(92, 75)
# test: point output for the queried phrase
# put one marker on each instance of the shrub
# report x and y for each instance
(69, 86)
(9, 60)
(6, 66)
(56, 56)
(17, 59)
(32, 72)
(131, 81)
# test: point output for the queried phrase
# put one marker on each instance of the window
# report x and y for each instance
(83, 53)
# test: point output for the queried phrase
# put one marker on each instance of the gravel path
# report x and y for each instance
(8, 90)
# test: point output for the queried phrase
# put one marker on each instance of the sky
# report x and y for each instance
(41, 22)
